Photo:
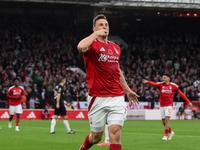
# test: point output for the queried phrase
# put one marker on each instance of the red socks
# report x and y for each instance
(115, 147)
(17, 123)
(166, 132)
(170, 130)
(86, 144)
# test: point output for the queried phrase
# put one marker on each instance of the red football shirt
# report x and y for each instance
(15, 91)
(167, 93)
(102, 67)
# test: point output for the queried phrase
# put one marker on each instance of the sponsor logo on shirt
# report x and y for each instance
(104, 58)
(166, 91)
(16, 92)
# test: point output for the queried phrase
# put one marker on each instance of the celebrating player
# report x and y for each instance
(106, 85)
(167, 90)
(15, 94)
(60, 108)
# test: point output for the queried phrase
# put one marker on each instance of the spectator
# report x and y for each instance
(45, 113)
(149, 98)
(181, 112)
(32, 102)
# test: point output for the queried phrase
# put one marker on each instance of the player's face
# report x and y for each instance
(16, 83)
(166, 79)
(101, 24)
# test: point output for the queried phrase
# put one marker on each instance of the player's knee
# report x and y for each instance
(96, 139)
(115, 136)
(65, 117)
(18, 116)
(55, 117)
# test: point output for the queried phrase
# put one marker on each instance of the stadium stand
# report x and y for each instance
(41, 49)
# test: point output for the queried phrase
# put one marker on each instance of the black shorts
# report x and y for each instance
(61, 111)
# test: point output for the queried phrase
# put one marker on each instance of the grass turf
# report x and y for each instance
(136, 135)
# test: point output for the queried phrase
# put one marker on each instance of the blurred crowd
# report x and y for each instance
(41, 50)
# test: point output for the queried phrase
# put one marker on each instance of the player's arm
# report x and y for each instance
(132, 96)
(84, 44)
(184, 97)
(58, 100)
(8, 95)
(150, 82)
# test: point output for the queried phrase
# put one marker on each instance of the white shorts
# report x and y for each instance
(102, 110)
(166, 111)
(15, 109)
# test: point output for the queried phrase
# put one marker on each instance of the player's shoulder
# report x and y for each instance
(21, 87)
(114, 44)
(173, 84)
(12, 87)
(160, 83)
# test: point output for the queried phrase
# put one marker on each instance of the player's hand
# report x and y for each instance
(132, 97)
(144, 81)
(15, 97)
(190, 104)
(102, 32)
(57, 106)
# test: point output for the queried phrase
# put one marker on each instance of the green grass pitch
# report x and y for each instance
(136, 135)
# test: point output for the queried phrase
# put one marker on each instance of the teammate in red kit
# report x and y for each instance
(167, 90)
(15, 94)
(106, 85)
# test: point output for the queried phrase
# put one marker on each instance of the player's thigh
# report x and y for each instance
(117, 111)
(63, 111)
(12, 110)
(162, 112)
(97, 113)
(18, 109)
(168, 111)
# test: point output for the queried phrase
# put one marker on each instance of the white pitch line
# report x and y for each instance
(42, 128)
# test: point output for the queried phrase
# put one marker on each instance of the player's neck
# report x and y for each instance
(103, 40)
(167, 82)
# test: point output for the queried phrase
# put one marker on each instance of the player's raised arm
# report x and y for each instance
(132, 96)
(184, 97)
(150, 82)
(86, 42)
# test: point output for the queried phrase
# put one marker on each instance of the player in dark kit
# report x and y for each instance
(60, 108)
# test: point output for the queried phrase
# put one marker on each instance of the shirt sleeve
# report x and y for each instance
(153, 83)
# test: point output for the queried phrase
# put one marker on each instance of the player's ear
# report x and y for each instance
(94, 29)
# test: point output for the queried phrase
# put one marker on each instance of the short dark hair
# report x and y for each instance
(62, 79)
(16, 79)
(166, 74)
(100, 16)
